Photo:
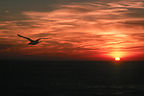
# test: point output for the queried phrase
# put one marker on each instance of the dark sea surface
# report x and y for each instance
(72, 78)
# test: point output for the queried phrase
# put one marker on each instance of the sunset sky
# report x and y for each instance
(77, 29)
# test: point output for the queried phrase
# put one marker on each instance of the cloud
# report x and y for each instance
(128, 4)
(89, 28)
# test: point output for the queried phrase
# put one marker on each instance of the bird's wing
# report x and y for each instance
(24, 37)
(38, 39)
(41, 38)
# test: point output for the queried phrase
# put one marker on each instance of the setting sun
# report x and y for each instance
(117, 58)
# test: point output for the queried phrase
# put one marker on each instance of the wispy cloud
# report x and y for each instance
(128, 4)
(88, 28)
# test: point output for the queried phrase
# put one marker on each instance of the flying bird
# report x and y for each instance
(32, 42)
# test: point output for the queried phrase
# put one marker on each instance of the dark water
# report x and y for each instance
(38, 78)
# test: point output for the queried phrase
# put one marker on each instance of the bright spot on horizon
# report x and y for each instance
(117, 58)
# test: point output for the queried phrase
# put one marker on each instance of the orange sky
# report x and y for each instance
(77, 31)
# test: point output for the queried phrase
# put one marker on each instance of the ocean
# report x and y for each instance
(72, 78)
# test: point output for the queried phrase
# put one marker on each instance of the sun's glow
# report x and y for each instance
(117, 58)
(117, 55)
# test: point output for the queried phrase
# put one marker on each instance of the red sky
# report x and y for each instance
(93, 30)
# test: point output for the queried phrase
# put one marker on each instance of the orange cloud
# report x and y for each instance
(80, 30)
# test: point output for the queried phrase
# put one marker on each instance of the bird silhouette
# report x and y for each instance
(32, 42)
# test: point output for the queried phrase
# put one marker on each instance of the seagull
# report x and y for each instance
(32, 42)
